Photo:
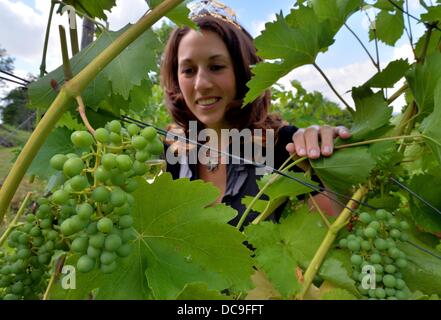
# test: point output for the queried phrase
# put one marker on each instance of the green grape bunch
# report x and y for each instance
(373, 246)
(25, 265)
(95, 202)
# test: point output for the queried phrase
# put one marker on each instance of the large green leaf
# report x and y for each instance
(178, 15)
(125, 72)
(389, 27)
(387, 78)
(424, 216)
(433, 14)
(94, 9)
(57, 142)
(372, 113)
(422, 80)
(431, 126)
(423, 271)
(179, 241)
(346, 168)
(336, 11)
(295, 40)
(280, 248)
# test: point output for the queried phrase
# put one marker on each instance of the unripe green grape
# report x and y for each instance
(127, 221)
(131, 185)
(380, 244)
(101, 174)
(123, 210)
(394, 253)
(142, 155)
(60, 197)
(389, 281)
(149, 133)
(105, 225)
(79, 183)
(78, 223)
(115, 138)
(84, 211)
(114, 126)
(370, 232)
(107, 257)
(395, 233)
(49, 245)
(380, 293)
(73, 167)
(66, 227)
(38, 241)
(128, 234)
(44, 258)
(97, 240)
(133, 129)
(393, 222)
(112, 242)
(390, 268)
(343, 243)
(24, 238)
(139, 168)
(35, 232)
(92, 228)
(81, 139)
(101, 194)
(102, 135)
(11, 296)
(375, 258)
(374, 225)
(401, 295)
(80, 244)
(404, 225)
(155, 147)
(57, 161)
(46, 223)
(118, 178)
(124, 162)
(366, 245)
(107, 208)
(355, 259)
(117, 197)
(139, 142)
(109, 161)
(353, 245)
(381, 214)
(404, 237)
(85, 263)
(124, 251)
(365, 217)
(130, 199)
(93, 252)
(24, 253)
(378, 268)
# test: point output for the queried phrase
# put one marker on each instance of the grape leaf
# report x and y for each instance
(336, 11)
(57, 142)
(200, 291)
(296, 40)
(338, 294)
(125, 72)
(424, 216)
(389, 27)
(431, 126)
(387, 78)
(346, 168)
(432, 47)
(94, 9)
(280, 248)
(386, 5)
(423, 271)
(422, 80)
(372, 113)
(179, 15)
(179, 241)
(433, 14)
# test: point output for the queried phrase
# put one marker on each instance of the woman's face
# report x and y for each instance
(206, 77)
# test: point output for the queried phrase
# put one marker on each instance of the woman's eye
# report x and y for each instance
(187, 71)
(217, 67)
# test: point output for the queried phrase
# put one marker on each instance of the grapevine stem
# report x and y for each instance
(12, 225)
(332, 87)
(376, 140)
(322, 215)
(58, 267)
(82, 111)
(72, 89)
(398, 93)
(327, 242)
(364, 47)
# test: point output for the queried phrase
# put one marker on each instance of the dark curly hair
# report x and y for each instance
(243, 52)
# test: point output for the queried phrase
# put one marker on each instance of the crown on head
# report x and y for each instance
(213, 8)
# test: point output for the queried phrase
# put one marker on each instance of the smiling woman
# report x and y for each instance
(204, 75)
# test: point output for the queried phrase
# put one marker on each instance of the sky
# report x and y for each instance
(23, 25)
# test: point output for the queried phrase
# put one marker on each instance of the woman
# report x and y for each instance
(204, 75)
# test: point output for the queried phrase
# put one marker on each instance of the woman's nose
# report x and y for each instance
(202, 81)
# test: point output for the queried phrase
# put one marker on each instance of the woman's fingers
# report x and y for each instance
(306, 141)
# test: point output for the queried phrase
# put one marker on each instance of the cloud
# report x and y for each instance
(258, 26)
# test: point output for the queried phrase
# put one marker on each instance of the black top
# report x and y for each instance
(241, 178)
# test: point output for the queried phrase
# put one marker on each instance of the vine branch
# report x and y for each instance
(12, 225)
(364, 47)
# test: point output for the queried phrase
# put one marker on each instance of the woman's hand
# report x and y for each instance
(306, 141)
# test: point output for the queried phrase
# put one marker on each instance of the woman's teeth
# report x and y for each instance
(207, 102)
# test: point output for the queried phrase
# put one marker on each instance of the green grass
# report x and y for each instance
(11, 135)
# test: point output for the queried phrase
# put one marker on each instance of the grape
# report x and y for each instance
(149, 133)
(126, 221)
(353, 245)
(102, 135)
(107, 257)
(115, 126)
(142, 155)
(139, 142)
(60, 197)
(93, 252)
(389, 281)
(124, 162)
(57, 161)
(84, 211)
(380, 293)
(356, 259)
(381, 214)
(79, 183)
(97, 240)
(109, 161)
(395, 233)
(80, 244)
(108, 268)
(374, 225)
(365, 217)
(380, 244)
(81, 139)
(66, 227)
(112, 242)
(155, 147)
(139, 168)
(370, 232)
(101, 174)
(118, 197)
(401, 263)
(85, 264)
(101, 194)
(124, 251)
(132, 129)
(73, 167)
